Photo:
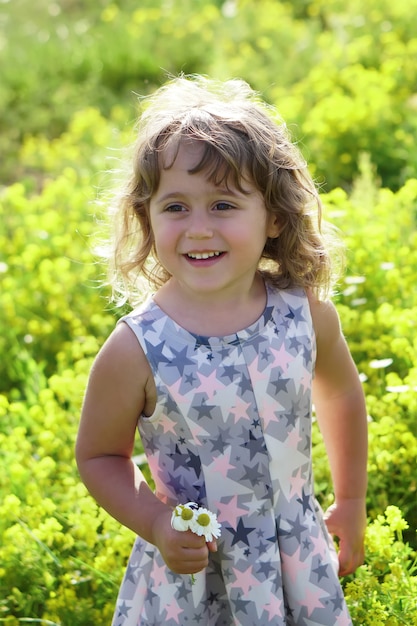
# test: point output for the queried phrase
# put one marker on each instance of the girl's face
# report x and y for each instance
(209, 238)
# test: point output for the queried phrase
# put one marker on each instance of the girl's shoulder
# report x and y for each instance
(325, 318)
(120, 382)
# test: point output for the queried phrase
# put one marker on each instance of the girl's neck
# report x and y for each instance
(209, 316)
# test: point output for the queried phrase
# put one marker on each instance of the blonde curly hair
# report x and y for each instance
(242, 137)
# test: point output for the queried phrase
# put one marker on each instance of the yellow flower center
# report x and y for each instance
(186, 514)
(203, 519)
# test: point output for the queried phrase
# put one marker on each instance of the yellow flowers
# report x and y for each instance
(384, 590)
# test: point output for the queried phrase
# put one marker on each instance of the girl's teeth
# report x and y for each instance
(203, 255)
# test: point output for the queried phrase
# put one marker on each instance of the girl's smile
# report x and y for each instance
(198, 256)
(204, 259)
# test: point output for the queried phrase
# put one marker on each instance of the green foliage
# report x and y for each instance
(48, 523)
(46, 313)
(344, 73)
(383, 591)
(378, 309)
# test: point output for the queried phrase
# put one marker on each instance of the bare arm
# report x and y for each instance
(342, 418)
(119, 389)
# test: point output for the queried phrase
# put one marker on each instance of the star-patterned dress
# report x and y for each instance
(232, 431)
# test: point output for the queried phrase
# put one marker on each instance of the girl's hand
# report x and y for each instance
(183, 552)
(346, 519)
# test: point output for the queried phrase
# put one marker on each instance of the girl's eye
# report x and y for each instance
(223, 206)
(174, 208)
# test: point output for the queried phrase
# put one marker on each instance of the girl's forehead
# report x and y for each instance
(224, 165)
(184, 153)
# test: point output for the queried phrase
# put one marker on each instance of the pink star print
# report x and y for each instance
(320, 546)
(222, 464)
(283, 358)
(159, 574)
(270, 410)
(274, 610)
(210, 384)
(312, 599)
(168, 425)
(245, 580)
(297, 483)
(239, 409)
(343, 619)
(292, 566)
(230, 512)
(173, 611)
(176, 393)
(293, 439)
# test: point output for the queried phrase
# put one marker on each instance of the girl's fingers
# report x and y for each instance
(189, 561)
(212, 545)
(349, 559)
(191, 540)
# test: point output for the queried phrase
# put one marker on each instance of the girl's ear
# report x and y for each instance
(274, 227)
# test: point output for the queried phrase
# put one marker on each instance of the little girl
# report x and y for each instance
(218, 369)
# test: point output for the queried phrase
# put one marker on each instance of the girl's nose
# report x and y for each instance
(199, 227)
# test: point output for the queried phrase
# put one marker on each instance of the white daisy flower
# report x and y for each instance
(182, 516)
(199, 520)
(204, 522)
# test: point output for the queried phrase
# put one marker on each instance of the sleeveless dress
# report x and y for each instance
(232, 432)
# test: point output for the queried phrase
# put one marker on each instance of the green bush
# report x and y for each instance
(61, 557)
(383, 591)
(343, 74)
(377, 303)
(47, 225)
